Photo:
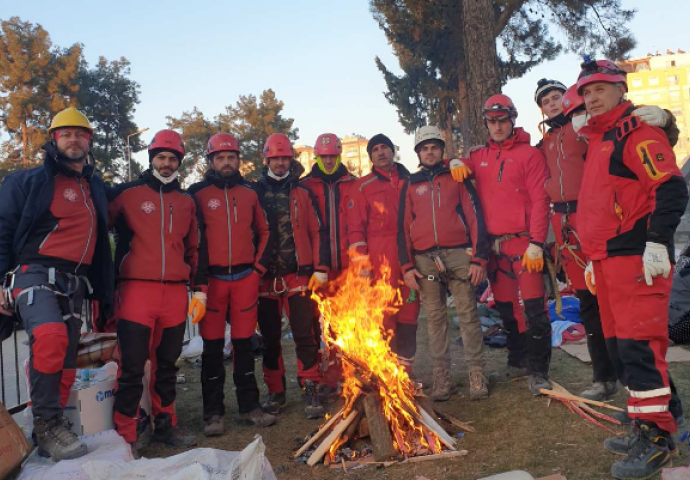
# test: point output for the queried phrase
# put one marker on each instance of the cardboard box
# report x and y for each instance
(14, 447)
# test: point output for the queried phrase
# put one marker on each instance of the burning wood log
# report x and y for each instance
(429, 422)
(318, 434)
(330, 439)
(379, 430)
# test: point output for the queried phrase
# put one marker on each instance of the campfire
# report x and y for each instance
(379, 399)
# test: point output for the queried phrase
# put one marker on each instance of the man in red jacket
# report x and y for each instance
(443, 243)
(372, 233)
(331, 183)
(298, 263)
(156, 259)
(510, 177)
(236, 231)
(630, 203)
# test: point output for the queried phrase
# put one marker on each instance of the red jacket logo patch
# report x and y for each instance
(69, 195)
(421, 190)
(214, 204)
(148, 207)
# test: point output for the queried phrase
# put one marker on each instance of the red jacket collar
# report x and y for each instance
(518, 137)
(606, 121)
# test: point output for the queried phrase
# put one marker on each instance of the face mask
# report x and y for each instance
(579, 122)
(164, 180)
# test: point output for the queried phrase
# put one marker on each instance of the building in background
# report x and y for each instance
(664, 80)
(354, 156)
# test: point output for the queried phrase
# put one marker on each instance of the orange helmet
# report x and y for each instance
(278, 145)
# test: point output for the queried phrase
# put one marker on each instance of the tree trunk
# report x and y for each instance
(448, 136)
(481, 65)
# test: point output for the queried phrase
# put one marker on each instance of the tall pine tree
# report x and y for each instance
(455, 53)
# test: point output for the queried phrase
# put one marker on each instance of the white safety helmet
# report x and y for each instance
(424, 134)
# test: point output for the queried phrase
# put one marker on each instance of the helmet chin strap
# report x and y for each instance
(165, 180)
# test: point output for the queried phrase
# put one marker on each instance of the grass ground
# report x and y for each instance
(515, 431)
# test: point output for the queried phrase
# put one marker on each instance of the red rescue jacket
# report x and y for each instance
(632, 191)
(510, 182)
(234, 225)
(373, 208)
(158, 236)
(332, 192)
(437, 212)
(565, 153)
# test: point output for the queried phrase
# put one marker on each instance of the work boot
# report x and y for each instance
(274, 403)
(648, 454)
(164, 432)
(600, 391)
(144, 432)
(479, 385)
(313, 407)
(326, 394)
(442, 387)
(259, 418)
(56, 441)
(135, 451)
(214, 427)
(622, 445)
(513, 372)
(536, 382)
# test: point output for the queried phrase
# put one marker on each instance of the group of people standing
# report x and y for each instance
(231, 251)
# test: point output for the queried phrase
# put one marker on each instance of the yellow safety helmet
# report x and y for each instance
(70, 117)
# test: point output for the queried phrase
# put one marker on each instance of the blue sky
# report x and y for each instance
(318, 57)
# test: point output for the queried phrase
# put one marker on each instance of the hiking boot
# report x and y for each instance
(135, 451)
(442, 388)
(600, 391)
(56, 441)
(274, 403)
(326, 394)
(479, 385)
(259, 418)
(144, 432)
(648, 454)
(313, 407)
(213, 427)
(164, 432)
(622, 445)
(513, 372)
(536, 382)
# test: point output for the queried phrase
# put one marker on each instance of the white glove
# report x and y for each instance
(655, 262)
(318, 279)
(590, 280)
(652, 115)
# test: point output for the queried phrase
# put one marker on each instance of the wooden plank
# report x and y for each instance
(328, 441)
(318, 434)
(438, 456)
(575, 398)
(455, 422)
(428, 421)
(379, 430)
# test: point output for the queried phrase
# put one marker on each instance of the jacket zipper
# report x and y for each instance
(433, 213)
(122, 262)
(500, 171)
(559, 140)
(47, 236)
(160, 193)
(294, 202)
(334, 252)
(88, 241)
(171, 219)
(234, 208)
(227, 214)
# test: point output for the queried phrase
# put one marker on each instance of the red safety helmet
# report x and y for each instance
(606, 71)
(167, 140)
(328, 144)
(278, 145)
(572, 101)
(222, 142)
(500, 106)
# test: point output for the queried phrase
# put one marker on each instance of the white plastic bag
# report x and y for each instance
(193, 349)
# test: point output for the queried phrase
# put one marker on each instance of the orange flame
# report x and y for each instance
(353, 310)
